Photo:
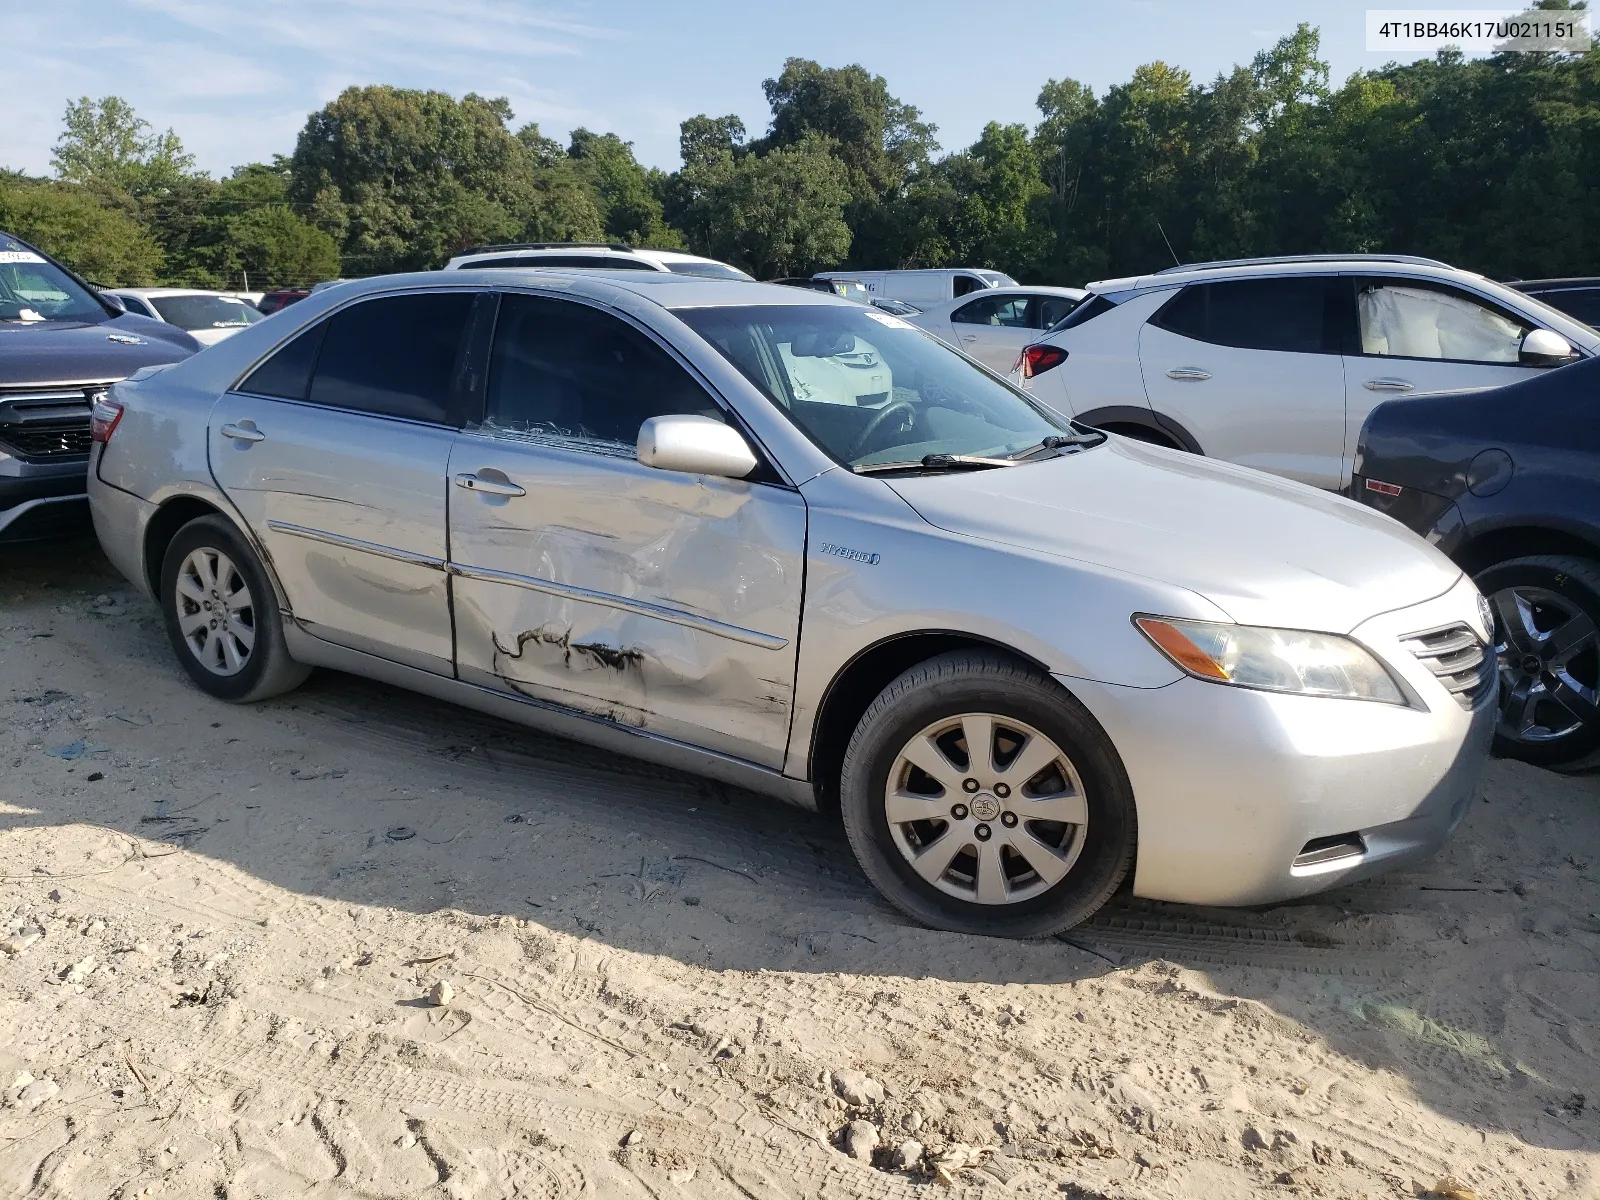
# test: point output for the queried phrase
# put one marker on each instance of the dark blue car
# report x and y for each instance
(61, 344)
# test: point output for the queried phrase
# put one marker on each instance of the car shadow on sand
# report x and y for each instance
(1473, 977)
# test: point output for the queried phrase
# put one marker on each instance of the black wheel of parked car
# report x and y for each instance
(222, 615)
(980, 797)
(1547, 638)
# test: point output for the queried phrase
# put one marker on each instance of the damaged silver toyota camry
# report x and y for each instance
(795, 544)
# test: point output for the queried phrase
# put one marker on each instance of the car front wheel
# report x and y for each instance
(1547, 638)
(979, 797)
(222, 616)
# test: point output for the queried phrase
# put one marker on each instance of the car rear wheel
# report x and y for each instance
(980, 797)
(1547, 639)
(222, 615)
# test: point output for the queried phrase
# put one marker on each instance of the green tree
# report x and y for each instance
(630, 210)
(780, 213)
(69, 221)
(106, 141)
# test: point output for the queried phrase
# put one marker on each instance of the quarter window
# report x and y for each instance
(395, 356)
(1009, 311)
(287, 374)
(570, 371)
(1405, 320)
(1295, 315)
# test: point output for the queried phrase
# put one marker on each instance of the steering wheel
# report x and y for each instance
(879, 420)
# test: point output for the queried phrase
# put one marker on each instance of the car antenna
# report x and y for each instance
(1170, 250)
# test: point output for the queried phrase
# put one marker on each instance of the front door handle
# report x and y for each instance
(494, 487)
(969, 337)
(1388, 385)
(243, 433)
(1189, 374)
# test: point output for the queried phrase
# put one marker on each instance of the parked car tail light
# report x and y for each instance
(1384, 489)
(1038, 359)
(103, 418)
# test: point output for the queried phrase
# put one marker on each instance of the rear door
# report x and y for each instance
(334, 450)
(994, 329)
(1416, 336)
(661, 600)
(1251, 368)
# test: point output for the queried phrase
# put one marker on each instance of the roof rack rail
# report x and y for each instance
(548, 246)
(1412, 259)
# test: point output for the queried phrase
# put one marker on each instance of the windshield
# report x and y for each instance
(34, 289)
(206, 312)
(851, 289)
(706, 270)
(870, 389)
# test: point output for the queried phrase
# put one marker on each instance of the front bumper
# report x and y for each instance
(41, 498)
(1231, 784)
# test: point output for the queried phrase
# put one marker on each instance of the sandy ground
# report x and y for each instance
(223, 923)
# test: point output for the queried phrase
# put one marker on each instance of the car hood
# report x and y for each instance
(85, 352)
(1265, 550)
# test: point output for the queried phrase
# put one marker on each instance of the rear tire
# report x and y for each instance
(222, 615)
(1023, 841)
(1547, 639)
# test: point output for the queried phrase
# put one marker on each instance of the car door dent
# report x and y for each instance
(751, 637)
(350, 543)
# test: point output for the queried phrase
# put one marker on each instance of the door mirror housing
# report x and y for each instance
(113, 303)
(696, 446)
(1544, 348)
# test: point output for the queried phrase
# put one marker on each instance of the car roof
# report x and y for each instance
(660, 288)
(170, 291)
(1172, 277)
(1570, 281)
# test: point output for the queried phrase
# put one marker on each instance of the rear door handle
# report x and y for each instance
(969, 337)
(243, 433)
(1388, 385)
(1189, 374)
(494, 487)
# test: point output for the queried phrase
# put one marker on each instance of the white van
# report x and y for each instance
(923, 288)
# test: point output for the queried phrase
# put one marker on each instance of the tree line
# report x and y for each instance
(1491, 164)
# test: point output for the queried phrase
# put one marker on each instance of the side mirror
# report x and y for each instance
(1543, 348)
(113, 302)
(695, 445)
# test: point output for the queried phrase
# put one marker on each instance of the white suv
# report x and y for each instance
(567, 255)
(1275, 363)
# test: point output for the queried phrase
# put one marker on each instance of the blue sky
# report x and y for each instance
(236, 78)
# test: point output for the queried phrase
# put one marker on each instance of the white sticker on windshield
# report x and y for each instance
(20, 256)
(885, 319)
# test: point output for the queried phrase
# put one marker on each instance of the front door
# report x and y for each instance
(1416, 336)
(665, 601)
(334, 450)
(1252, 369)
(994, 329)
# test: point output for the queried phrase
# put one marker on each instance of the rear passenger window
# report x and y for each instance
(566, 370)
(1297, 315)
(1052, 309)
(395, 356)
(287, 374)
(1010, 311)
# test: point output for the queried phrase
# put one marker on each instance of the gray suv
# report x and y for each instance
(799, 545)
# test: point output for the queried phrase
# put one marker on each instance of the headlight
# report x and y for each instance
(1273, 660)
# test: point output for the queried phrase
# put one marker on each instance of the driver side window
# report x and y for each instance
(1411, 320)
(566, 370)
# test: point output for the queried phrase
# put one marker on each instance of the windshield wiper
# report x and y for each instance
(1063, 441)
(939, 462)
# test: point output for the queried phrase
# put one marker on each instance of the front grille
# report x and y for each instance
(47, 422)
(1459, 658)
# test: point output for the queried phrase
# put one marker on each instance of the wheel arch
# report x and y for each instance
(178, 510)
(856, 685)
(1170, 431)
(1493, 546)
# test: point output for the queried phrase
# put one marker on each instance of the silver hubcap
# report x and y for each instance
(1549, 653)
(215, 613)
(986, 808)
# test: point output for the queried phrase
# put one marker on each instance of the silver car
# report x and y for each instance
(1026, 662)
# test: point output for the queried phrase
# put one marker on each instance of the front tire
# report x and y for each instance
(222, 615)
(979, 797)
(1547, 640)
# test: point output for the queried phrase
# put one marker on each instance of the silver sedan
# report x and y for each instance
(798, 545)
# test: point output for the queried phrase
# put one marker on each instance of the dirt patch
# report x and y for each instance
(218, 975)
